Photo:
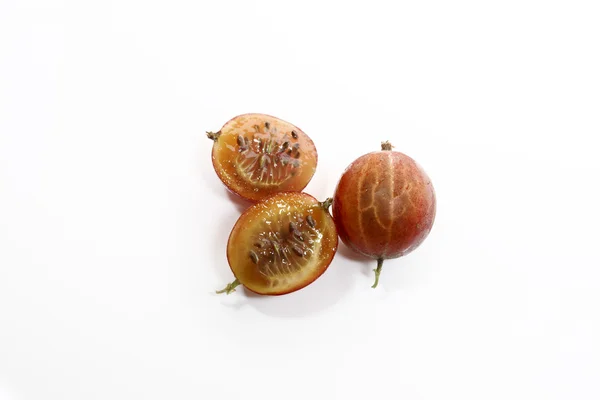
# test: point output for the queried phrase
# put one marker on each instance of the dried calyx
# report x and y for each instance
(386, 146)
(213, 135)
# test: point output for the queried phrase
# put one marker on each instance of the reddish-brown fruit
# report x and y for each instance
(281, 244)
(384, 205)
(257, 155)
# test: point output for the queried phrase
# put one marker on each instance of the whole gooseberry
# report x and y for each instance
(384, 205)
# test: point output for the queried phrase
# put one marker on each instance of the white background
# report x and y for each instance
(113, 224)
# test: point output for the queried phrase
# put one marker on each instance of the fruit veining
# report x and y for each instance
(266, 158)
(285, 251)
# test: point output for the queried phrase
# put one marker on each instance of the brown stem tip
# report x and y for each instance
(386, 146)
(213, 135)
(326, 204)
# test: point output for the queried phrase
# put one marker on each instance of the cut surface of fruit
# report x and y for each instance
(282, 243)
(257, 155)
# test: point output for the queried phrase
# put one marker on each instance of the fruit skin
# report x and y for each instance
(239, 242)
(384, 205)
(225, 153)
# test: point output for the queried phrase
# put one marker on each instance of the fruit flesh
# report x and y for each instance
(384, 205)
(257, 155)
(282, 244)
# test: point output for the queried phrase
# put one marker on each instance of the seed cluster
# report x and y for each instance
(269, 161)
(285, 251)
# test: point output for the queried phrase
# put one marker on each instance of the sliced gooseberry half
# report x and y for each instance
(281, 244)
(257, 155)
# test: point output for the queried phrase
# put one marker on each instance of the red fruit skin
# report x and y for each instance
(384, 205)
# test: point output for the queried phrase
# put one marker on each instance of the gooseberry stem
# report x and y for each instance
(377, 272)
(230, 288)
(326, 204)
(213, 135)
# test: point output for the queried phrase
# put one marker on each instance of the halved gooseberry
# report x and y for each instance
(281, 244)
(257, 155)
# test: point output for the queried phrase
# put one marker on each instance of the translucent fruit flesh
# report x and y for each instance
(282, 244)
(257, 155)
